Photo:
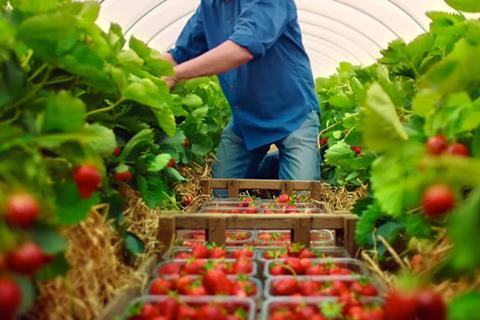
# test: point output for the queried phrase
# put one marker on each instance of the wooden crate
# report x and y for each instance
(215, 225)
(286, 186)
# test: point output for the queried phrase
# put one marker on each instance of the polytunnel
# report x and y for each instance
(333, 30)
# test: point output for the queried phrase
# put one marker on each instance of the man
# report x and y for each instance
(255, 48)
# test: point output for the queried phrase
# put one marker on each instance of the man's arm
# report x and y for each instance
(168, 56)
(223, 58)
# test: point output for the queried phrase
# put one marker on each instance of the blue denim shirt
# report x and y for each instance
(271, 95)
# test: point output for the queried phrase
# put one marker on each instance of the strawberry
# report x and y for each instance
(244, 288)
(187, 200)
(172, 163)
(216, 282)
(125, 176)
(200, 251)
(285, 287)
(295, 264)
(437, 145)
(149, 311)
(183, 284)
(305, 311)
(458, 149)
(243, 253)
(323, 141)
(117, 152)
(318, 270)
(369, 290)
(437, 200)
(169, 308)
(217, 253)
(27, 259)
(170, 269)
(310, 288)
(197, 290)
(183, 256)
(194, 267)
(10, 298)
(185, 312)
(210, 312)
(357, 150)
(88, 179)
(278, 270)
(337, 288)
(186, 143)
(243, 266)
(283, 199)
(161, 287)
(22, 210)
(306, 253)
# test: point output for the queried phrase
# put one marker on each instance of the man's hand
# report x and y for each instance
(170, 81)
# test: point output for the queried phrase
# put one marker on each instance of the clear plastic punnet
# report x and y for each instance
(323, 286)
(318, 238)
(185, 253)
(316, 305)
(333, 267)
(257, 283)
(198, 266)
(230, 304)
(189, 238)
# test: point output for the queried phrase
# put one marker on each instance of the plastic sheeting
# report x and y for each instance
(333, 30)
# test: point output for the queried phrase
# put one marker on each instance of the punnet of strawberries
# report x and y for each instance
(294, 250)
(201, 266)
(233, 238)
(171, 308)
(314, 267)
(212, 251)
(344, 308)
(213, 282)
(314, 287)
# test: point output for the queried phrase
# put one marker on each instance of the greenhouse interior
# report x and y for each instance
(240, 160)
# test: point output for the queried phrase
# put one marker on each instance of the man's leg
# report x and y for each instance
(234, 161)
(299, 154)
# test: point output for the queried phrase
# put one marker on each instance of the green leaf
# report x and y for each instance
(28, 293)
(425, 101)
(38, 6)
(339, 153)
(57, 268)
(133, 244)
(159, 163)
(418, 227)
(142, 138)
(71, 209)
(380, 124)
(154, 190)
(175, 175)
(64, 113)
(49, 239)
(341, 100)
(51, 26)
(465, 5)
(146, 92)
(104, 142)
(129, 59)
(465, 307)
(390, 230)
(476, 144)
(367, 224)
(200, 113)
(166, 121)
(139, 47)
(192, 101)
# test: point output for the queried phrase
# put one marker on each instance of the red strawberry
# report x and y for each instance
(169, 308)
(125, 176)
(357, 150)
(337, 288)
(183, 284)
(243, 266)
(296, 265)
(22, 210)
(200, 251)
(305, 312)
(306, 253)
(187, 200)
(186, 143)
(27, 259)
(430, 305)
(88, 179)
(243, 253)
(185, 312)
(117, 152)
(436, 145)
(400, 306)
(458, 149)
(244, 288)
(217, 253)
(317, 270)
(278, 270)
(170, 269)
(438, 200)
(285, 287)
(310, 288)
(172, 163)
(197, 291)
(283, 198)
(194, 267)
(210, 312)
(323, 141)
(216, 282)
(183, 256)
(369, 290)
(149, 311)
(10, 298)
(161, 286)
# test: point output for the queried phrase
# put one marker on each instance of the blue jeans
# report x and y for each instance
(298, 157)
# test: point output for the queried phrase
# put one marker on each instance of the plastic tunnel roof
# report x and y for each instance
(333, 30)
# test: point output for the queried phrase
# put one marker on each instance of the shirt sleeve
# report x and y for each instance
(260, 24)
(192, 42)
